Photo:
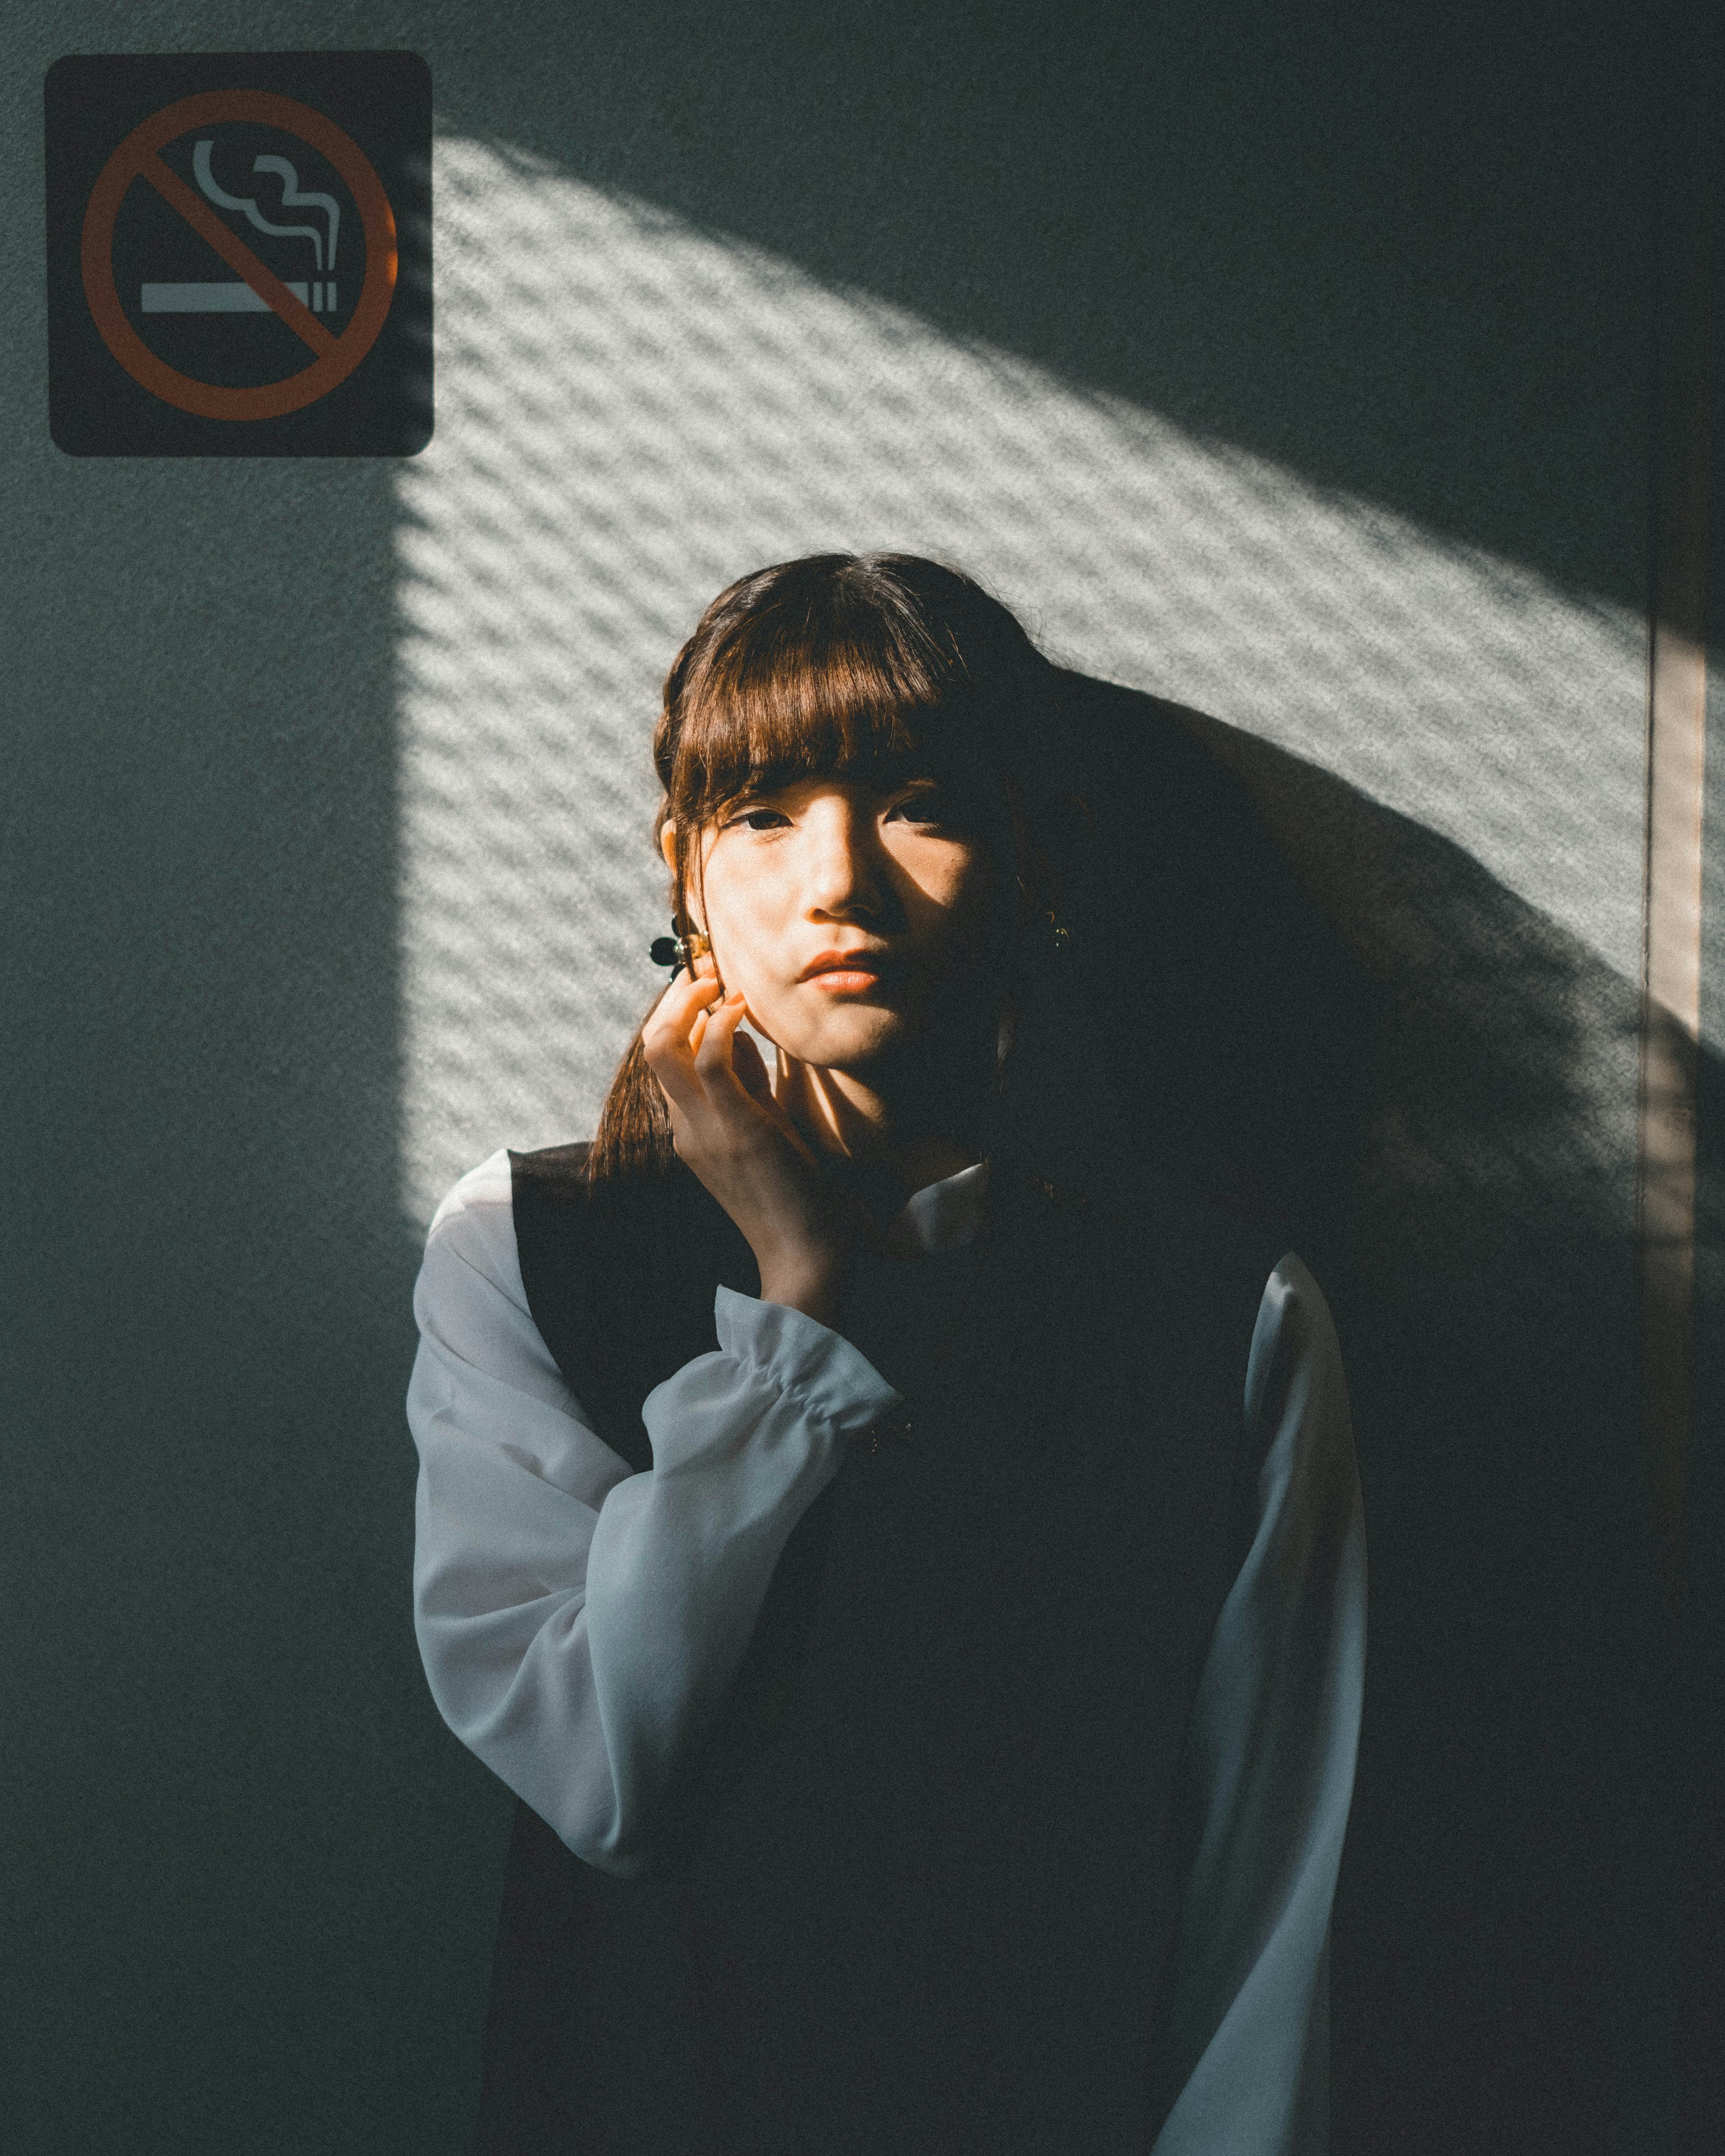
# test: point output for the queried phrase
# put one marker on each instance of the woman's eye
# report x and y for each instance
(927, 807)
(758, 820)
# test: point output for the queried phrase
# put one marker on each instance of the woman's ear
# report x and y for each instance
(668, 847)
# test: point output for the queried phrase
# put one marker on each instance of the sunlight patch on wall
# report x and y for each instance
(632, 412)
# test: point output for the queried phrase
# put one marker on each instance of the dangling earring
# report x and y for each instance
(1046, 933)
(1040, 921)
(677, 951)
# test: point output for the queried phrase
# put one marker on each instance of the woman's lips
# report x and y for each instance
(841, 973)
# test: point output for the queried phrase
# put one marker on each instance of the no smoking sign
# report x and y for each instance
(239, 254)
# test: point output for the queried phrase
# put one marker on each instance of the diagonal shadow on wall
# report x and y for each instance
(1434, 1084)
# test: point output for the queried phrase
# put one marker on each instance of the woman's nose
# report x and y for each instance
(843, 876)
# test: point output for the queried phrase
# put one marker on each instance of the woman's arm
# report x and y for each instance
(578, 1622)
(1276, 1732)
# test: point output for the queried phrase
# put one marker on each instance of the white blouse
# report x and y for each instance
(578, 1621)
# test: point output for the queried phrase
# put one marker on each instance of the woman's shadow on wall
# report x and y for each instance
(1338, 1021)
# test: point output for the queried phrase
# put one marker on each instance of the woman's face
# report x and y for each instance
(847, 914)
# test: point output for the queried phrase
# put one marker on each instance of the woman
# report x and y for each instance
(901, 1547)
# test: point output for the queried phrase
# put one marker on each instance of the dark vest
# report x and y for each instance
(918, 1887)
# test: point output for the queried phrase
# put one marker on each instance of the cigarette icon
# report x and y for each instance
(225, 299)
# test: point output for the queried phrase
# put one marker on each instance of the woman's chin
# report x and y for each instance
(850, 1039)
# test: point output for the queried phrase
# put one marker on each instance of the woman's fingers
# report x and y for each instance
(714, 1055)
(667, 1032)
(725, 1088)
(688, 1046)
(673, 1020)
(686, 995)
(713, 1078)
(750, 1069)
(718, 1030)
(669, 1039)
(711, 1034)
(749, 1074)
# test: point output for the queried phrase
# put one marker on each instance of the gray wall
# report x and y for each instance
(1295, 375)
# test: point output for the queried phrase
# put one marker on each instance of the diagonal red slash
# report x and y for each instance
(268, 287)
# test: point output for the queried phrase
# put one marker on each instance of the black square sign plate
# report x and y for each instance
(239, 254)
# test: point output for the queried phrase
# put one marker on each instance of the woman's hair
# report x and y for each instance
(871, 667)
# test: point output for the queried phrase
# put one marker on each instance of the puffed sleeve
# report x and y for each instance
(578, 1622)
(1276, 1732)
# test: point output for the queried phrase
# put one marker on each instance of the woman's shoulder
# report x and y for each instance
(483, 1210)
(474, 1222)
(520, 1219)
(514, 1217)
(1293, 1318)
(470, 1298)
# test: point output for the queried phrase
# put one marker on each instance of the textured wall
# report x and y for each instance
(1297, 375)
(634, 411)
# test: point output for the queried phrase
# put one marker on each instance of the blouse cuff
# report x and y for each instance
(830, 1382)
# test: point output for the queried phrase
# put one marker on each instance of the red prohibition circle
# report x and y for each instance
(335, 357)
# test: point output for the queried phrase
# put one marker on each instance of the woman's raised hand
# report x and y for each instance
(727, 1126)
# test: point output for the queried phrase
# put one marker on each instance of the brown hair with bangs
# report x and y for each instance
(873, 667)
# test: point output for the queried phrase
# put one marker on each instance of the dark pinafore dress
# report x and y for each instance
(918, 1890)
